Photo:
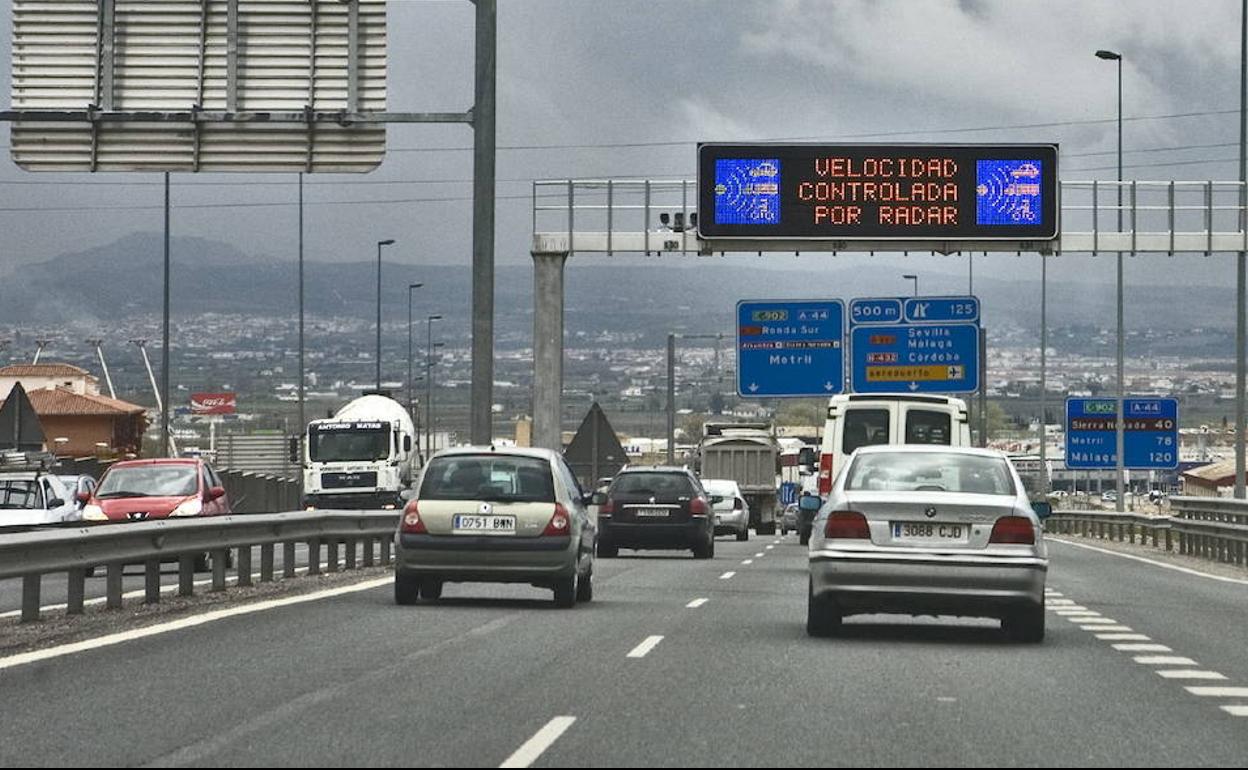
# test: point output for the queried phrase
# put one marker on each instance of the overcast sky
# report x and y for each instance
(673, 72)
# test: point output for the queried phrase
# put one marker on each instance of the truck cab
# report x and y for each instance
(361, 458)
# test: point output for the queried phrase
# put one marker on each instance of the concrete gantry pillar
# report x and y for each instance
(548, 268)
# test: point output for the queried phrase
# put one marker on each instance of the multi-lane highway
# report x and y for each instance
(676, 662)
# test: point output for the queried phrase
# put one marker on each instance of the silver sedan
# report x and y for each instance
(922, 530)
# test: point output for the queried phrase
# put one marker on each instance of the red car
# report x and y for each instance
(142, 490)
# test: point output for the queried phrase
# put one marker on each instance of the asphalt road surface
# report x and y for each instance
(675, 663)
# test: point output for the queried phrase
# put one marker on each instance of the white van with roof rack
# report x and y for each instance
(858, 420)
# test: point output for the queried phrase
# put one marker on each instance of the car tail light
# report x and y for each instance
(1013, 530)
(698, 507)
(412, 523)
(738, 504)
(847, 525)
(825, 474)
(560, 524)
(607, 508)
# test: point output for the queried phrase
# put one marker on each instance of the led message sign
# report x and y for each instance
(878, 192)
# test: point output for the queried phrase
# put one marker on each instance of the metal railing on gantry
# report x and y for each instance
(652, 216)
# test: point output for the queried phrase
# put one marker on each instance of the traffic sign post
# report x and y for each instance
(914, 345)
(790, 348)
(1151, 433)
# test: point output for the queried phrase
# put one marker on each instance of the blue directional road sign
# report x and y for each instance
(1150, 433)
(790, 348)
(914, 345)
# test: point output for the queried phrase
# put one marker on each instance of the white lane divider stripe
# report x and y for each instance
(1094, 621)
(759, 555)
(177, 625)
(643, 649)
(534, 747)
(696, 603)
(1119, 637)
(1219, 692)
(1109, 629)
(747, 562)
(1182, 673)
(1163, 660)
(727, 576)
(770, 547)
(1142, 648)
(1236, 711)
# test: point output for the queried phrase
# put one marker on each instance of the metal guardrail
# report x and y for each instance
(1214, 529)
(31, 555)
(625, 215)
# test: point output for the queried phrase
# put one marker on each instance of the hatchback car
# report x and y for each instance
(142, 490)
(928, 531)
(486, 515)
(656, 508)
(732, 512)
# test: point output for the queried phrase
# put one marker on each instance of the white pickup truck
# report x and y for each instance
(30, 494)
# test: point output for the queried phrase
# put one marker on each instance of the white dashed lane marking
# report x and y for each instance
(1163, 660)
(727, 576)
(696, 603)
(1190, 674)
(534, 747)
(1121, 637)
(1236, 711)
(643, 649)
(1219, 692)
(1142, 648)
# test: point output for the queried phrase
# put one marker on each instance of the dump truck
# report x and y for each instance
(747, 453)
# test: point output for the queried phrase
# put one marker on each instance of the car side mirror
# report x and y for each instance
(716, 499)
(1043, 508)
(809, 503)
(407, 443)
(215, 493)
(598, 498)
(84, 497)
(55, 502)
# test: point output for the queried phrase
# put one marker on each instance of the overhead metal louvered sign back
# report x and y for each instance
(201, 85)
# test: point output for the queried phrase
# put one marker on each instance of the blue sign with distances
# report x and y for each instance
(790, 348)
(914, 345)
(1150, 436)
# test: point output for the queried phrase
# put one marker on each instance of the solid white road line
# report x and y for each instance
(1142, 648)
(1236, 711)
(1184, 673)
(696, 603)
(177, 625)
(643, 649)
(534, 747)
(1219, 692)
(1119, 637)
(1153, 562)
(1163, 660)
(727, 576)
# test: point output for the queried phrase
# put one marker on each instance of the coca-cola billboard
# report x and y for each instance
(214, 403)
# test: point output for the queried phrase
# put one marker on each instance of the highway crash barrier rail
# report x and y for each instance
(1215, 529)
(31, 555)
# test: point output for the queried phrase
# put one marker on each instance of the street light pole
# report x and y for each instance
(303, 416)
(914, 278)
(429, 388)
(1120, 423)
(1044, 358)
(386, 242)
(410, 288)
(1241, 294)
(165, 342)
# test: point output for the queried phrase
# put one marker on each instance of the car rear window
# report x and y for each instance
(930, 472)
(864, 427)
(491, 478)
(657, 484)
(19, 494)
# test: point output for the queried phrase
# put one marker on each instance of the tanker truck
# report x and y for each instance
(363, 457)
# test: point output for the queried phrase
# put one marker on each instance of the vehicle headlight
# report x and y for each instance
(192, 507)
(93, 513)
